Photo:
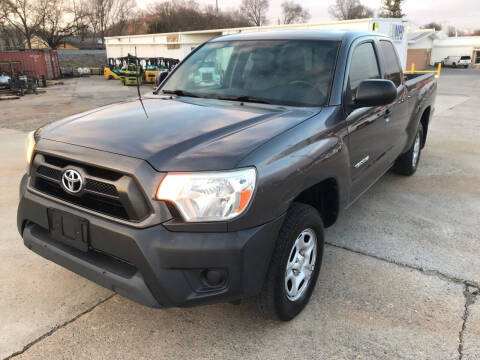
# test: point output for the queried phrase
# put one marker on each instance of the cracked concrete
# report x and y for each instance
(400, 281)
(362, 308)
(30, 344)
(469, 347)
(431, 220)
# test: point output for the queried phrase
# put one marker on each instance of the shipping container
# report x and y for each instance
(38, 62)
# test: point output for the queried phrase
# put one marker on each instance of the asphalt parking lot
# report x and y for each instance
(400, 280)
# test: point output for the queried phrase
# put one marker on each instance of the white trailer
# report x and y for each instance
(178, 45)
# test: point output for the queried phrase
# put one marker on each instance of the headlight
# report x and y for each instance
(29, 147)
(209, 196)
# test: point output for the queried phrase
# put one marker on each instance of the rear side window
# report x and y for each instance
(392, 68)
(363, 66)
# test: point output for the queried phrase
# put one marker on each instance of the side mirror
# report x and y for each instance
(375, 92)
(161, 77)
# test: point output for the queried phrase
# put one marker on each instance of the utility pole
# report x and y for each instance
(216, 6)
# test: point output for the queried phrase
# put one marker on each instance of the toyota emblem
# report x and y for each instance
(72, 181)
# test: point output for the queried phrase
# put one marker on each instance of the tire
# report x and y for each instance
(110, 77)
(454, 65)
(466, 66)
(302, 226)
(407, 163)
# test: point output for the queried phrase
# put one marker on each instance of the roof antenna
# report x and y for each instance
(137, 68)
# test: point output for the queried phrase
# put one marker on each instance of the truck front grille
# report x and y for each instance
(49, 172)
(105, 191)
(111, 207)
(101, 187)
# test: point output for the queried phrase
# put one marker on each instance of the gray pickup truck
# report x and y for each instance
(218, 185)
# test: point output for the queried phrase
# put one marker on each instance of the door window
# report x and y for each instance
(363, 66)
(393, 71)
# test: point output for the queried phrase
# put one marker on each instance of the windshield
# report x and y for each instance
(465, 58)
(284, 72)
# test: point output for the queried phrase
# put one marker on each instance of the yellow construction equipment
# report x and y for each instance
(151, 76)
(109, 74)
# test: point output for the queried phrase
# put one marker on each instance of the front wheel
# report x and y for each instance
(407, 163)
(295, 264)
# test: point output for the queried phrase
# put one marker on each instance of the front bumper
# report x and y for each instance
(154, 266)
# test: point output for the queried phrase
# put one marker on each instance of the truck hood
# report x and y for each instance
(179, 134)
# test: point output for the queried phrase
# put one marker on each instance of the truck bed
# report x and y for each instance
(412, 80)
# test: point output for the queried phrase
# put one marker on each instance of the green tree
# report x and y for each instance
(392, 9)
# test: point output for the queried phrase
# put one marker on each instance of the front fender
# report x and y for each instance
(296, 160)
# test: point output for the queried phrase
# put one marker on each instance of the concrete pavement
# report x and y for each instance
(431, 220)
(400, 278)
(362, 308)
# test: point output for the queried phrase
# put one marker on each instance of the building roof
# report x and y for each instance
(418, 35)
(459, 41)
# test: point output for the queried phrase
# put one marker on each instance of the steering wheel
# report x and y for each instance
(301, 82)
(309, 84)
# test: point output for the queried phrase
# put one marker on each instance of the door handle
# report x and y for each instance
(387, 114)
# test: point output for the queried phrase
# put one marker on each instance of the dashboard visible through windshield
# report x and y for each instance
(283, 72)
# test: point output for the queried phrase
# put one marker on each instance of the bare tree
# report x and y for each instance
(392, 9)
(349, 9)
(452, 31)
(183, 15)
(255, 11)
(23, 16)
(433, 25)
(103, 14)
(11, 37)
(293, 12)
(60, 20)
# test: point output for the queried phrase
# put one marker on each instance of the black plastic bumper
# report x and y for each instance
(154, 266)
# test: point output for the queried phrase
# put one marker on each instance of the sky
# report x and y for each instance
(465, 14)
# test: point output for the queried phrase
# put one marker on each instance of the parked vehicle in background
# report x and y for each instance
(219, 189)
(457, 61)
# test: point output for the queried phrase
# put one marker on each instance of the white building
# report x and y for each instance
(420, 45)
(456, 46)
(178, 45)
(429, 47)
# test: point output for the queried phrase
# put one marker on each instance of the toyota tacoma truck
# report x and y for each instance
(219, 189)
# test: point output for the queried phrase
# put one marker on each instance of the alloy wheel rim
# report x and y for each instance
(300, 264)
(416, 150)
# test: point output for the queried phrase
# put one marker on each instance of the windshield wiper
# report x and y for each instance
(243, 98)
(181, 93)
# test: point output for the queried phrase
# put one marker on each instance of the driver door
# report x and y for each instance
(366, 126)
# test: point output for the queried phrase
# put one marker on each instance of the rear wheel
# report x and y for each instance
(407, 163)
(294, 266)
